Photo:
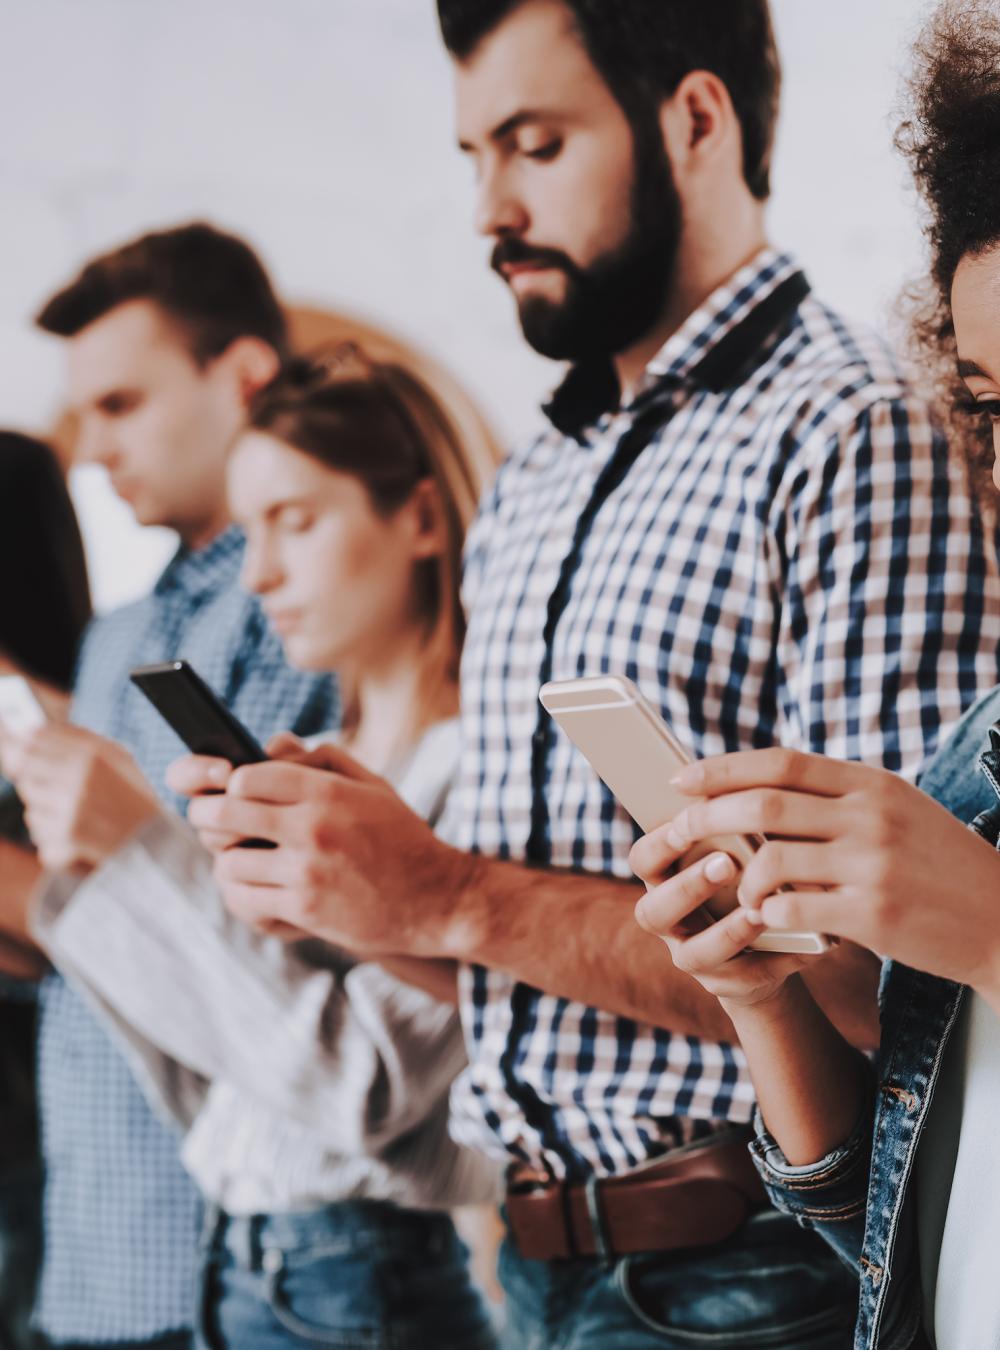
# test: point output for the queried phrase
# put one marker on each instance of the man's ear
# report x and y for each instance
(430, 535)
(699, 125)
(251, 363)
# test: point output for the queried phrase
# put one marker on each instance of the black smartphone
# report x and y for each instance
(196, 713)
(200, 718)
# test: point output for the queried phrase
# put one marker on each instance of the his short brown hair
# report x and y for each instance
(211, 284)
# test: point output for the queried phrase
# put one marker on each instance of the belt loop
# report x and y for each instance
(605, 1252)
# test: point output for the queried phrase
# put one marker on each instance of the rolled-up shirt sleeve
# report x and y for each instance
(347, 1050)
(829, 1196)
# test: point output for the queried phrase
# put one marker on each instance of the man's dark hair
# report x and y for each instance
(211, 284)
(950, 135)
(643, 49)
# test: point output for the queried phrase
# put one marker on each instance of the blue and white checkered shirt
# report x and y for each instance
(121, 1215)
(770, 540)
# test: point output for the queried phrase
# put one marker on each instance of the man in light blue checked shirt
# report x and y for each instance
(167, 339)
(740, 504)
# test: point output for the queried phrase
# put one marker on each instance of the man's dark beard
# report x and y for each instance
(615, 301)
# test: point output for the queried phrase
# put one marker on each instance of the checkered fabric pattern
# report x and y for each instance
(783, 555)
(121, 1216)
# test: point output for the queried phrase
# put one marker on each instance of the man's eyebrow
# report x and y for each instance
(966, 368)
(510, 124)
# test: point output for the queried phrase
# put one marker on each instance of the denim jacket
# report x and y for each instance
(860, 1197)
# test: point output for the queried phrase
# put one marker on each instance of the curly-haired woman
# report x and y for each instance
(896, 1164)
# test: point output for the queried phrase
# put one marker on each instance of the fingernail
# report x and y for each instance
(677, 831)
(689, 779)
(754, 916)
(218, 773)
(720, 867)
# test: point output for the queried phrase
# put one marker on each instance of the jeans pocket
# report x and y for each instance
(781, 1294)
(327, 1296)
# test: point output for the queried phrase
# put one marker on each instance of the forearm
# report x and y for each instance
(573, 934)
(20, 873)
(331, 1046)
(845, 985)
(19, 961)
(438, 978)
(809, 1081)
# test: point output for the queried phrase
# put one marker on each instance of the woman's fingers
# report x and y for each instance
(719, 943)
(776, 767)
(775, 812)
(670, 903)
(810, 911)
(783, 862)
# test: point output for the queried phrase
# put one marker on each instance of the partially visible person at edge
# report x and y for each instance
(44, 607)
(167, 339)
(313, 1089)
(741, 505)
(894, 1164)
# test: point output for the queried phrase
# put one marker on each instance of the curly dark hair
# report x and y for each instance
(951, 138)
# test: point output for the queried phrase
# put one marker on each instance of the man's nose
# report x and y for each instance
(499, 210)
(95, 444)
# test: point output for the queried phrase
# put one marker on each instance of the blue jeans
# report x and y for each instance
(771, 1287)
(357, 1275)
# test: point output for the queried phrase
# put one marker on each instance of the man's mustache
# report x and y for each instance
(513, 251)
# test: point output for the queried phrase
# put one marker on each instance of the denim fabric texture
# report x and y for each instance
(859, 1197)
(762, 1289)
(357, 1276)
(181, 1340)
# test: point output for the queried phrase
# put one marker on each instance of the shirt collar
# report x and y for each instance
(717, 343)
(196, 572)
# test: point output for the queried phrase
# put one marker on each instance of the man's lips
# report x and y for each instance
(522, 276)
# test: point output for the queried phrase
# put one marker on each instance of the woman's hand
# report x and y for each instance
(873, 859)
(84, 796)
(713, 953)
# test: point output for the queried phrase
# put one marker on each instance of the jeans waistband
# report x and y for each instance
(349, 1225)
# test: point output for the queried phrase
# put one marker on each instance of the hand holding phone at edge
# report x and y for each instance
(872, 859)
(84, 796)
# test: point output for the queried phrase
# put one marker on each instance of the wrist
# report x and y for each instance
(459, 931)
(987, 985)
(776, 1006)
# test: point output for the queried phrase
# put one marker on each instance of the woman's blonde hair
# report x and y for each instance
(381, 423)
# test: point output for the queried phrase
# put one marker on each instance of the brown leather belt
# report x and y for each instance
(696, 1195)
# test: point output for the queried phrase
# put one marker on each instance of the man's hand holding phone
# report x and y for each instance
(353, 864)
(207, 775)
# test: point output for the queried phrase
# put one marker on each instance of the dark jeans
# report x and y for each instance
(20, 1253)
(771, 1287)
(358, 1274)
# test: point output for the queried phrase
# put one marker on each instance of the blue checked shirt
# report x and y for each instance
(121, 1215)
(771, 541)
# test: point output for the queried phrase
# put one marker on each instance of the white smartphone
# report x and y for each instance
(20, 710)
(635, 753)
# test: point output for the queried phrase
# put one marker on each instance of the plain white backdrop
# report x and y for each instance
(322, 131)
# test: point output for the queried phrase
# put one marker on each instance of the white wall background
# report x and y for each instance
(321, 130)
